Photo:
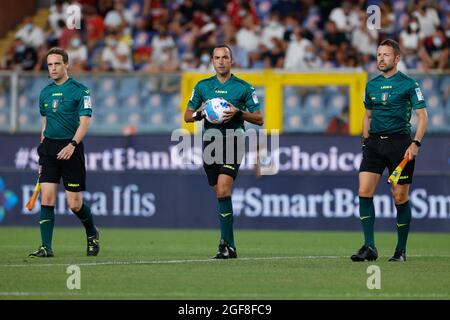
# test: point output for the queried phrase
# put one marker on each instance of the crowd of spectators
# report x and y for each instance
(165, 36)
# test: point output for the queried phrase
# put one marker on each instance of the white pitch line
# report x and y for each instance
(137, 262)
(142, 262)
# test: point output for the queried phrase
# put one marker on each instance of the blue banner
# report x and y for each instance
(156, 153)
(184, 200)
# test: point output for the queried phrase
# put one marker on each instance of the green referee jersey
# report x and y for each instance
(391, 101)
(236, 91)
(62, 105)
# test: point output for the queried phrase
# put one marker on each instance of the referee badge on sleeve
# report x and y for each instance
(87, 102)
(419, 94)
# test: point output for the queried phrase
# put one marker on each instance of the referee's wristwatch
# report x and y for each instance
(74, 143)
(198, 115)
(417, 143)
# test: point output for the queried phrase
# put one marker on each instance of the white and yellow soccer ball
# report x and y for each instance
(214, 110)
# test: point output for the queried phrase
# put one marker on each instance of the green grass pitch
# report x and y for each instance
(177, 264)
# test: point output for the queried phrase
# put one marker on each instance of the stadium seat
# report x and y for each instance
(437, 122)
(335, 104)
(129, 86)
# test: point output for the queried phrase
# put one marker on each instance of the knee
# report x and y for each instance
(75, 205)
(400, 197)
(366, 193)
(222, 191)
(48, 200)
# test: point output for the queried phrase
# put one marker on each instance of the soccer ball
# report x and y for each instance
(214, 110)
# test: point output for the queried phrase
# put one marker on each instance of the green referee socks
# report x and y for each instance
(403, 221)
(367, 216)
(46, 224)
(226, 220)
(86, 219)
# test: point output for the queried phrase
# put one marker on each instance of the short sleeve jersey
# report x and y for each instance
(236, 91)
(62, 105)
(391, 101)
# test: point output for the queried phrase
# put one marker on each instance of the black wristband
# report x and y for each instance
(417, 143)
(198, 115)
(74, 143)
(239, 115)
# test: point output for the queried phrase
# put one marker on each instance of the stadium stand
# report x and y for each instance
(155, 40)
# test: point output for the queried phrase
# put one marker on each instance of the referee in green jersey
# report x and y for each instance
(65, 106)
(389, 100)
(244, 107)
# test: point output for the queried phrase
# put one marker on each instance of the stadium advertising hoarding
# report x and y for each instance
(315, 189)
(157, 153)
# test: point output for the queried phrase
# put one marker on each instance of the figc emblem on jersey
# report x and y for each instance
(384, 97)
(87, 102)
(55, 105)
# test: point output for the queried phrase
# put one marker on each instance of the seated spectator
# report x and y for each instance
(410, 42)
(78, 54)
(436, 53)
(24, 57)
(57, 13)
(95, 27)
(32, 35)
(248, 38)
(116, 56)
(142, 38)
(345, 17)
(274, 58)
(334, 41)
(296, 54)
(365, 41)
(120, 18)
(428, 18)
(273, 29)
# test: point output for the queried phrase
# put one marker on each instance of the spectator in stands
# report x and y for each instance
(248, 38)
(273, 29)
(428, 18)
(116, 56)
(120, 18)
(187, 62)
(274, 58)
(334, 41)
(57, 13)
(205, 61)
(436, 53)
(95, 27)
(187, 8)
(345, 17)
(240, 55)
(32, 35)
(297, 55)
(387, 30)
(142, 39)
(365, 41)
(24, 56)
(410, 42)
(161, 41)
(239, 10)
(78, 54)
